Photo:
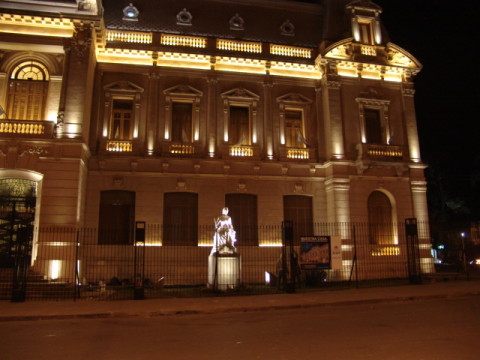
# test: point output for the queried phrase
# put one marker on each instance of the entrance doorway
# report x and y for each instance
(17, 216)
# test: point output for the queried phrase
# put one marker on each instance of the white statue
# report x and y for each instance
(224, 238)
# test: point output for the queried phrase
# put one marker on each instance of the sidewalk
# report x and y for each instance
(38, 310)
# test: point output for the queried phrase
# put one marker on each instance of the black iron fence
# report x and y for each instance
(74, 263)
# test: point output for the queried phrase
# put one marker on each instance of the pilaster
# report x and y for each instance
(332, 113)
(79, 79)
(411, 122)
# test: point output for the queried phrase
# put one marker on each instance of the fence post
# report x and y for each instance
(139, 261)
(413, 252)
(76, 289)
(354, 260)
(287, 237)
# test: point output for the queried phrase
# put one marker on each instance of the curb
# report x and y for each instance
(152, 314)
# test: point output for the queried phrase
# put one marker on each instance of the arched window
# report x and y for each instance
(27, 91)
(380, 219)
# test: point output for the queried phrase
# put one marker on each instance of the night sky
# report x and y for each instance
(443, 36)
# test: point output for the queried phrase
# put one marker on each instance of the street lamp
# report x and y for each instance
(463, 253)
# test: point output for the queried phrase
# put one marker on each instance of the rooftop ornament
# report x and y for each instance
(287, 28)
(130, 13)
(184, 17)
(236, 23)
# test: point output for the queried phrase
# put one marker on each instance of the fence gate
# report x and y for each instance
(414, 270)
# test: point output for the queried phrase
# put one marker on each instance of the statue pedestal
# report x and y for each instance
(224, 271)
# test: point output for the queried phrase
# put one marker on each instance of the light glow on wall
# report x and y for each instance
(277, 244)
(150, 143)
(270, 150)
(55, 269)
(211, 148)
(72, 130)
(36, 25)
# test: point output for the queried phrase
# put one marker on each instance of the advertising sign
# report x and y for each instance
(315, 252)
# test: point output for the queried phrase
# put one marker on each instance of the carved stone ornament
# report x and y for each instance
(181, 184)
(34, 150)
(81, 42)
(241, 186)
(298, 188)
(340, 52)
(372, 93)
(118, 182)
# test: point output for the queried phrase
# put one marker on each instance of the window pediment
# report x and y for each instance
(240, 94)
(294, 98)
(364, 5)
(183, 90)
(123, 86)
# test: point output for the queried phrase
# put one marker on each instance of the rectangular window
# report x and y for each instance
(294, 136)
(298, 209)
(373, 126)
(116, 218)
(243, 211)
(182, 122)
(180, 219)
(26, 99)
(366, 32)
(121, 127)
(239, 126)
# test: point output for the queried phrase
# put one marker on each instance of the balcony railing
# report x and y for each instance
(385, 250)
(297, 153)
(179, 40)
(368, 50)
(182, 149)
(240, 46)
(119, 146)
(290, 51)
(129, 37)
(241, 150)
(381, 152)
(27, 128)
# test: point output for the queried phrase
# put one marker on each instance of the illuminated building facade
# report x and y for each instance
(166, 111)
